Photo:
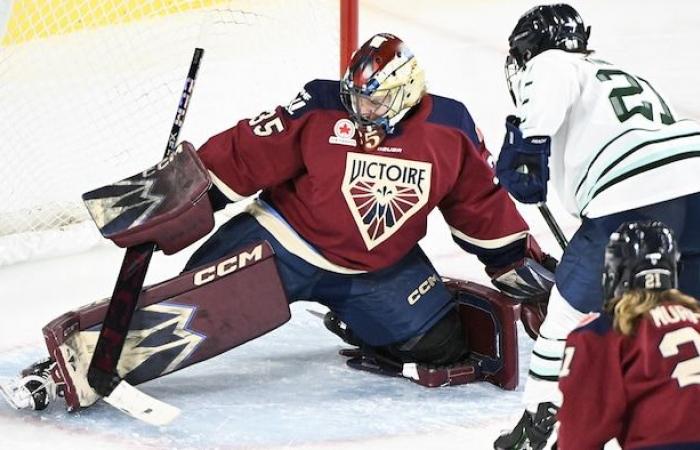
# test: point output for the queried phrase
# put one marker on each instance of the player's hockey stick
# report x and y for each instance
(548, 217)
(553, 225)
(102, 373)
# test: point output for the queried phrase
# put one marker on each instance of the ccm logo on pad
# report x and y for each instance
(227, 266)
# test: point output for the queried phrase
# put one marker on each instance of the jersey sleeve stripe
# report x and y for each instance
(489, 243)
(225, 189)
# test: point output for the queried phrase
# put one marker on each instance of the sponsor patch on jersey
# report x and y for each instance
(344, 133)
(383, 193)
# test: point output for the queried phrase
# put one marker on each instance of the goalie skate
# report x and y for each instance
(34, 389)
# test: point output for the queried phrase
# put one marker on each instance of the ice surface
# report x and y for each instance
(290, 389)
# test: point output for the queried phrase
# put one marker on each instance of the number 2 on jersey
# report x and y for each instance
(688, 371)
(644, 107)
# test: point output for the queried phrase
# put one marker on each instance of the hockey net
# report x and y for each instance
(89, 89)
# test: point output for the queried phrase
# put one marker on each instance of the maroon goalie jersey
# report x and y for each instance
(365, 209)
(643, 390)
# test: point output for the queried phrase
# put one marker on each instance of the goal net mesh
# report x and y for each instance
(89, 91)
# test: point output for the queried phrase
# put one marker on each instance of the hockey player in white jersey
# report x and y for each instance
(616, 151)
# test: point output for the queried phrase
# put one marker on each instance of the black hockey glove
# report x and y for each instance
(523, 164)
(532, 432)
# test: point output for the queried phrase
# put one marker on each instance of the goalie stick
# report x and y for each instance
(102, 373)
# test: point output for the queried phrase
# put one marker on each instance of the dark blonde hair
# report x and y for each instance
(630, 308)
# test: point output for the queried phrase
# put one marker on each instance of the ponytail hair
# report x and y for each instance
(629, 309)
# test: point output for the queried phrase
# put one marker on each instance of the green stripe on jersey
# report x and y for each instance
(651, 164)
(615, 161)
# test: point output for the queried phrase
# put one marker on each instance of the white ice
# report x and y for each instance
(290, 389)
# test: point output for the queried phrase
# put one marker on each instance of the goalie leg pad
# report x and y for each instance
(488, 333)
(489, 319)
(190, 318)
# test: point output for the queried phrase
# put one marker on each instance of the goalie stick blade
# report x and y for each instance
(141, 406)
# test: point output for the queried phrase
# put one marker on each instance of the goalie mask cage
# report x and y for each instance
(88, 89)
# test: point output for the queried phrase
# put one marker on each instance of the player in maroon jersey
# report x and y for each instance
(348, 172)
(631, 372)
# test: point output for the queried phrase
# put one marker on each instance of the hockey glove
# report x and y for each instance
(522, 167)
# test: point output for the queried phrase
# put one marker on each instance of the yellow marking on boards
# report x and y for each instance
(36, 19)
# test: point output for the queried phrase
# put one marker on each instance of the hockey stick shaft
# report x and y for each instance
(102, 374)
(553, 225)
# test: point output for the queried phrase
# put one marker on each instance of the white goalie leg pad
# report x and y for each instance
(548, 352)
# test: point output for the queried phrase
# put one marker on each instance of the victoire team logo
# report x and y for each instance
(383, 193)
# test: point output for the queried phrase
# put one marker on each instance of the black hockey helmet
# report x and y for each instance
(541, 28)
(640, 255)
(546, 27)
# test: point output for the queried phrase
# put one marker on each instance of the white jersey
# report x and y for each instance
(616, 143)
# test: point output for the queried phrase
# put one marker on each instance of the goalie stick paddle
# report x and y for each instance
(102, 374)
